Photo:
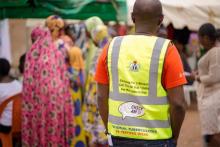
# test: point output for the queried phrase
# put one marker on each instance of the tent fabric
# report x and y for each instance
(69, 9)
(11, 3)
(190, 13)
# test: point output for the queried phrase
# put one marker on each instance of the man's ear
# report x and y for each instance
(132, 17)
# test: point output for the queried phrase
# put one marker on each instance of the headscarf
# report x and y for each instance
(75, 58)
(78, 32)
(74, 54)
(76, 68)
(100, 35)
(37, 33)
(45, 80)
(45, 64)
(92, 22)
(75, 61)
(55, 24)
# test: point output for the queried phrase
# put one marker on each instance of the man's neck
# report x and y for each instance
(143, 29)
(145, 32)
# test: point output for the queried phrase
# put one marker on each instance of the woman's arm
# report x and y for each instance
(213, 75)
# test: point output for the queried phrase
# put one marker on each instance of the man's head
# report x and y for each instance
(147, 13)
(4, 67)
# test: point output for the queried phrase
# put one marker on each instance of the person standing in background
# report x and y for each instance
(47, 109)
(21, 67)
(76, 71)
(90, 24)
(208, 91)
(8, 87)
(93, 123)
(140, 82)
(187, 69)
(80, 38)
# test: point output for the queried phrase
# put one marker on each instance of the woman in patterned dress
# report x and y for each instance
(76, 71)
(94, 126)
(47, 106)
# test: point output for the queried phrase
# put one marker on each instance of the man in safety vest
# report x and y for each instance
(140, 78)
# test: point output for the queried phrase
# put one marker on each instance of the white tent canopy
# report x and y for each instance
(190, 13)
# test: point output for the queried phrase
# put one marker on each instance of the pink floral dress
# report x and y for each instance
(47, 108)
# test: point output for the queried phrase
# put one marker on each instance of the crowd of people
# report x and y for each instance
(60, 71)
(59, 106)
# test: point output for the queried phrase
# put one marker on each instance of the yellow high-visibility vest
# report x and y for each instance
(138, 104)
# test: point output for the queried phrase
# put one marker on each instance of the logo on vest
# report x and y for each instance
(134, 66)
(131, 109)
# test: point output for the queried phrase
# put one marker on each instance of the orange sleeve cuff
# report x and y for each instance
(101, 80)
(176, 83)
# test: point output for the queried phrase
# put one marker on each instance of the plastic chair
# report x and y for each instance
(6, 139)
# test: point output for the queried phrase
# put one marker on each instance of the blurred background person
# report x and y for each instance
(56, 26)
(78, 31)
(76, 71)
(8, 87)
(90, 24)
(162, 32)
(47, 107)
(111, 29)
(121, 28)
(208, 91)
(183, 55)
(94, 126)
(21, 67)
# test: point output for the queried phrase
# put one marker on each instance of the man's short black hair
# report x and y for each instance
(208, 30)
(4, 67)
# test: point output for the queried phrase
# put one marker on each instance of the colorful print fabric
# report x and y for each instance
(47, 108)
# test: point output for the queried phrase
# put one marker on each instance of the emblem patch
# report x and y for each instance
(134, 66)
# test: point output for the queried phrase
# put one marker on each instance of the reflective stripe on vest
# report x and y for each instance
(158, 127)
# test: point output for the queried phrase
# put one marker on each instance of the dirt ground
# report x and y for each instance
(190, 132)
